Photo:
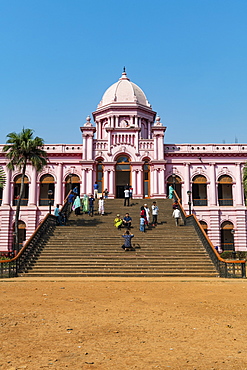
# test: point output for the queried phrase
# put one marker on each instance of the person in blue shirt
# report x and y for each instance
(127, 221)
(127, 241)
(95, 189)
(71, 198)
(91, 201)
(58, 215)
(142, 224)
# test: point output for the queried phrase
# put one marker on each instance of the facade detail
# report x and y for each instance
(125, 144)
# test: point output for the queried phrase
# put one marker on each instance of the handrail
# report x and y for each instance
(24, 258)
(226, 268)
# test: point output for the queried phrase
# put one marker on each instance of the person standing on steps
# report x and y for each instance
(126, 197)
(71, 198)
(142, 224)
(155, 210)
(101, 206)
(77, 205)
(147, 211)
(57, 213)
(85, 204)
(127, 241)
(95, 189)
(177, 215)
(91, 205)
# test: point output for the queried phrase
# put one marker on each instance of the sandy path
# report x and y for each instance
(132, 324)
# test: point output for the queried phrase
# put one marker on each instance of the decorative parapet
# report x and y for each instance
(206, 148)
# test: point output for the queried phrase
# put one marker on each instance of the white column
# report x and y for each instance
(84, 147)
(155, 181)
(83, 182)
(89, 181)
(106, 186)
(111, 183)
(59, 185)
(162, 182)
(32, 188)
(186, 182)
(7, 188)
(90, 147)
(212, 187)
(239, 186)
(155, 146)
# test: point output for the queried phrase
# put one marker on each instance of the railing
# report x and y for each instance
(200, 202)
(25, 258)
(225, 202)
(24, 202)
(45, 202)
(226, 268)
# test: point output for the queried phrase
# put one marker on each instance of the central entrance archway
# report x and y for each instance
(122, 175)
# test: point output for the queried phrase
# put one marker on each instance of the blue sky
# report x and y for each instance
(189, 57)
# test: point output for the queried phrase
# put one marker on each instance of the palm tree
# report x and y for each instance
(2, 178)
(22, 149)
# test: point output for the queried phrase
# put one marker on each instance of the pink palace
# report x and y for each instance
(126, 144)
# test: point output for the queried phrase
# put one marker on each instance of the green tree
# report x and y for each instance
(245, 180)
(22, 149)
(2, 178)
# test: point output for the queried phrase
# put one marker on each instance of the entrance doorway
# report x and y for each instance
(227, 236)
(122, 175)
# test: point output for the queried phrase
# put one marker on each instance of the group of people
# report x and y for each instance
(86, 203)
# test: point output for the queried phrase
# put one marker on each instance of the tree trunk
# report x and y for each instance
(18, 206)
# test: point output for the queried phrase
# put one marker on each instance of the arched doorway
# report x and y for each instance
(146, 179)
(17, 190)
(122, 175)
(225, 191)
(21, 232)
(204, 225)
(176, 182)
(1, 196)
(71, 182)
(227, 236)
(46, 184)
(199, 191)
(100, 175)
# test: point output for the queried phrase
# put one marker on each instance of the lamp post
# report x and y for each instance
(189, 201)
(174, 184)
(50, 194)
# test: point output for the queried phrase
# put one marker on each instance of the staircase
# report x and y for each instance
(91, 246)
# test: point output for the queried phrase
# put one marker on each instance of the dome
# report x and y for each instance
(124, 91)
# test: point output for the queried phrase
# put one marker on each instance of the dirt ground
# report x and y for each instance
(131, 324)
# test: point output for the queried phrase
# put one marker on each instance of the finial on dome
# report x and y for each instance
(124, 75)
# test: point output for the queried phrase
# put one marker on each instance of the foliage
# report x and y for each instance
(228, 255)
(2, 178)
(22, 149)
(245, 179)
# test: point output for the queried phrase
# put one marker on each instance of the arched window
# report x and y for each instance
(199, 191)
(100, 175)
(225, 191)
(146, 179)
(17, 189)
(227, 236)
(46, 184)
(176, 182)
(123, 169)
(72, 181)
(204, 225)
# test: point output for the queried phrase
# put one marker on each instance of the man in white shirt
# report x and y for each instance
(176, 214)
(155, 210)
(126, 197)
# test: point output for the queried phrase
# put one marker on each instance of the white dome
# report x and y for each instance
(124, 91)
